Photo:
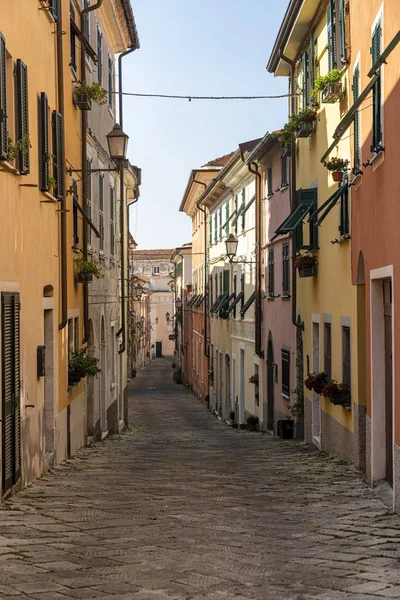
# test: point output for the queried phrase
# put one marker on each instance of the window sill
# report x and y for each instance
(50, 198)
(377, 159)
(270, 196)
(102, 256)
(8, 167)
(344, 238)
(113, 386)
(46, 9)
(286, 297)
(76, 249)
(284, 187)
(74, 75)
(357, 181)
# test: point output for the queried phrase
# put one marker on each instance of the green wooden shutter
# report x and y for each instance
(44, 143)
(75, 220)
(242, 208)
(331, 32)
(305, 80)
(3, 100)
(220, 222)
(58, 151)
(21, 73)
(376, 91)
(227, 217)
(376, 43)
(211, 230)
(271, 273)
(307, 196)
(356, 93)
(311, 66)
(215, 227)
(112, 221)
(110, 81)
(342, 30)
(101, 211)
(226, 281)
(11, 450)
(86, 26)
(99, 57)
(89, 198)
(236, 212)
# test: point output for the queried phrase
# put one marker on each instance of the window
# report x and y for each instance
(89, 198)
(236, 212)
(256, 386)
(307, 197)
(242, 292)
(211, 231)
(86, 21)
(344, 226)
(235, 292)
(101, 211)
(226, 281)
(112, 220)
(271, 273)
(338, 29)
(227, 217)
(376, 51)
(328, 349)
(3, 99)
(156, 270)
(220, 222)
(346, 366)
(331, 30)
(284, 173)
(72, 62)
(285, 271)
(215, 227)
(110, 81)
(356, 139)
(305, 80)
(58, 155)
(21, 72)
(54, 6)
(99, 56)
(44, 170)
(75, 220)
(242, 208)
(286, 373)
(269, 181)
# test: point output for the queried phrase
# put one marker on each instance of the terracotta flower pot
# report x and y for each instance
(337, 176)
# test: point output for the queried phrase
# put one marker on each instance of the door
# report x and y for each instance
(387, 311)
(103, 416)
(49, 383)
(11, 451)
(158, 349)
(227, 385)
(316, 400)
(242, 387)
(220, 384)
(233, 402)
(270, 386)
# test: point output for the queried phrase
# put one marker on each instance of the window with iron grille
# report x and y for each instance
(110, 81)
(271, 273)
(101, 211)
(72, 62)
(285, 271)
(89, 198)
(112, 220)
(284, 173)
(376, 50)
(21, 72)
(99, 56)
(269, 181)
(328, 349)
(346, 362)
(285, 373)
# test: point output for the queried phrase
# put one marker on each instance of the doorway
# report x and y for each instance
(227, 385)
(242, 387)
(270, 385)
(316, 400)
(103, 416)
(48, 334)
(158, 349)
(233, 385)
(387, 315)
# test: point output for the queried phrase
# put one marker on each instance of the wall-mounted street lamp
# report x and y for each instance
(117, 142)
(156, 320)
(139, 291)
(167, 316)
(178, 303)
(231, 246)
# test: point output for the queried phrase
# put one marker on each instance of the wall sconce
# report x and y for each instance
(167, 316)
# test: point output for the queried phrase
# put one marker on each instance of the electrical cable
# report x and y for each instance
(190, 98)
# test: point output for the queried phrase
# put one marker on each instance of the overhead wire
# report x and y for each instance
(190, 98)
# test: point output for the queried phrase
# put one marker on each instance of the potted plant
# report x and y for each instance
(305, 122)
(85, 93)
(87, 269)
(254, 379)
(83, 364)
(316, 381)
(330, 86)
(306, 264)
(337, 166)
(252, 422)
(338, 393)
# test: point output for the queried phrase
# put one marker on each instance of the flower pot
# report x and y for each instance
(332, 92)
(84, 277)
(341, 399)
(305, 129)
(337, 176)
(82, 101)
(308, 271)
(285, 429)
(73, 377)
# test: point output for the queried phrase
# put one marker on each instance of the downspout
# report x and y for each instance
(253, 168)
(123, 212)
(84, 123)
(63, 211)
(203, 210)
(293, 195)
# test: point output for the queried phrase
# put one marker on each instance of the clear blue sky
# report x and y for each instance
(203, 47)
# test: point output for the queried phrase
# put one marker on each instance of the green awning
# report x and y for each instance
(227, 221)
(239, 212)
(250, 202)
(294, 219)
(248, 304)
(216, 306)
(332, 199)
(235, 302)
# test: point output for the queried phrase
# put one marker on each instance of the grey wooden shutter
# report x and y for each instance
(285, 372)
(89, 198)
(58, 151)
(44, 143)
(21, 72)
(11, 450)
(342, 31)
(112, 222)
(331, 31)
(3, 100)
(304, 61)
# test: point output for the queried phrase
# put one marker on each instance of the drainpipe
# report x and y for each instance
(253, 168)
(123, 212)
(293, 195)
(203, 210)
(63, 212)
(84, 123)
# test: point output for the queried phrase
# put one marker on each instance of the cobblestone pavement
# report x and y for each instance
(182, 506)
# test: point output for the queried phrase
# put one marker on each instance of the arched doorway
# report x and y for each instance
(102, 389)
(270, 384)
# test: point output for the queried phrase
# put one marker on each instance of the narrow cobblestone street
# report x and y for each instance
(182, 506)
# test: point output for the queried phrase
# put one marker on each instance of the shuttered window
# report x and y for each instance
(331, 31)
(110, 81)
(21, 73)
(220, 222)
(72, 38)
(346, 362)
(89, 198)
(242, 208)
(308, 196)
(316, 72)
(235, 292)
(311, 66)
(269, 181)
(99, 56)
(226, 281)
(242, 292)
(44, 156)
(86, 21)
(286, 373)
(227, 217)
(101, 211)
(342, 34)
(75, 223)
(10, 332)
(284, 172)
(58, 154)
(285, 271)
(356, 140)
(54, 6)
(328, 350)
(112, 221)
(376, 91)
(211, 230)
(305, 78)
(344, 225)
(236, 212)
(271, 273)
(215, 227)
(3, 100)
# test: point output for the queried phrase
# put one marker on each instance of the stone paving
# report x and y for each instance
(182, 506)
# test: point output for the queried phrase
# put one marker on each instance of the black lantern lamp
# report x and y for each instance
(231, 244)
(117, 143)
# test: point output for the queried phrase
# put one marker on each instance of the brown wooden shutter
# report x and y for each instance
(11, 450)
(21, 72)
(58, 151)
(3, 100)
(44, 143)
